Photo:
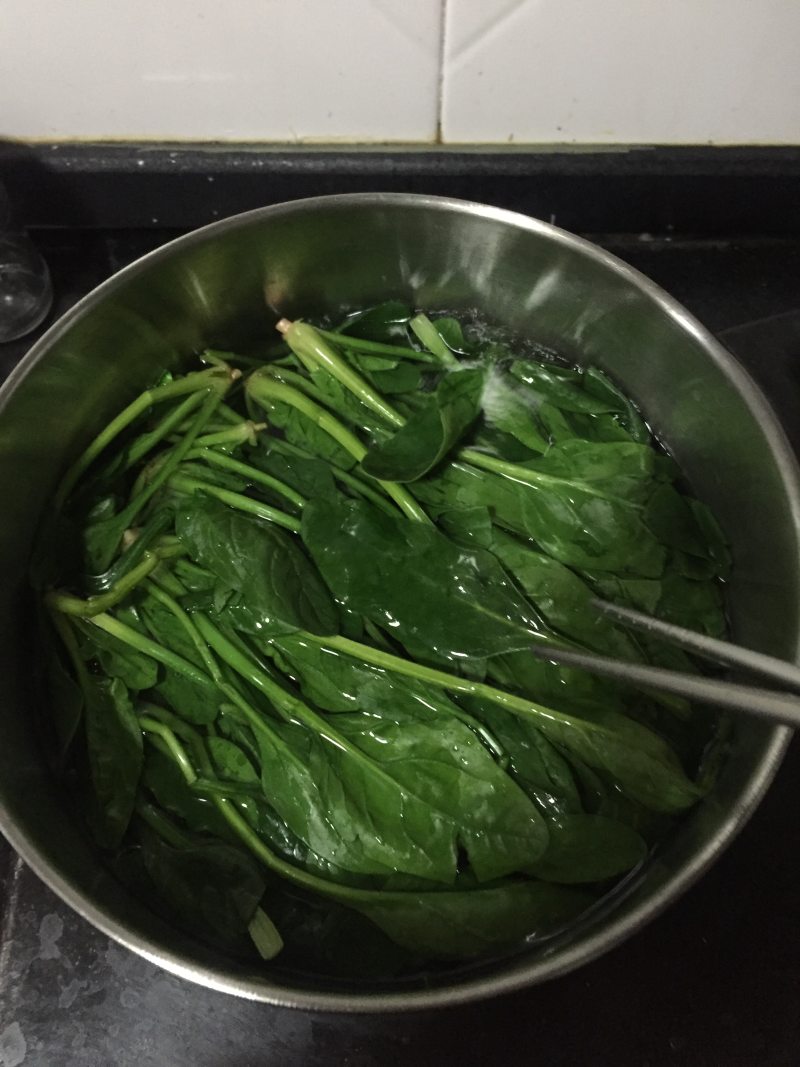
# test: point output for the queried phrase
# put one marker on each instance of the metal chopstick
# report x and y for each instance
(764, 702)
(754, 700)
(777, 670)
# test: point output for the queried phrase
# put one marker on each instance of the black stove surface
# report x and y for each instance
(714, 982)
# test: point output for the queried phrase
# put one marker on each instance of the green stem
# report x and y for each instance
(216, 379)
(175, 748)
(345, 477)
(65, 631)
(285, 704)
(244, 432)
(305, 384)
(268, 356)
(209, 787)
(192, 573)
(430, 337)
(134, 552)
(253, 474)
(360, 487)
(360, 344)
(536, 479)
(519, 706)
(227, 414)
(142, 643)
(264, 935)
(163, 826)
(299, 381)
(211, 665)
(147, 441)
(314, 350)
(175, 457)
(95, 605)
(188, 627)
(169, 547)
(236, 500)
(265, 390)
(182, 729)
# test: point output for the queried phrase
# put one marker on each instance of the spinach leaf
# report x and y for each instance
(233, 765)
(468, 526)
(424, 786)
(566, 688)
(328, 679)
(210, 888)
(443, 762)
(458, 925)
(571, 522)
(588, 848)
(583, 529)
(384, 322)
(164, 780)
(230, 761)
(114, 748)
(431, 432)
(602, 387)
(408, 576)
(311, 477)
(560, 386)
(347, 811)
(642, 593)
(697, 605)
(537, 765)
(404, 378)
(265, 582)
(562, 597)
(319, 936)
(601, 797)
(672, 519)
(195, 701)
(624, 470)
(450, 331)
(644, 766)
(512, 410)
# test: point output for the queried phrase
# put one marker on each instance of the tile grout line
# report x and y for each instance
(439, 139)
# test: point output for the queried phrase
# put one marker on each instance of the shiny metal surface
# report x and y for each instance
(228, 283)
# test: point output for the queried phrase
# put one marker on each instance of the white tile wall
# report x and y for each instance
(522, 71)
(622, 71)
(271, 70)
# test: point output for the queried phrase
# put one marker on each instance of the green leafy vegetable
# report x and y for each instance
(290, 665)
(264, 581)
(416, 582)
(455, 925)
(114, 748)
(588, 848)
(431, 432)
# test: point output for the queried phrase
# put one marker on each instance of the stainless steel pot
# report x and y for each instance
(227, 283)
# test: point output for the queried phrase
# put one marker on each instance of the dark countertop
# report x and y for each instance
(714, 982)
